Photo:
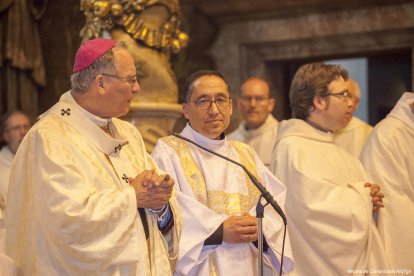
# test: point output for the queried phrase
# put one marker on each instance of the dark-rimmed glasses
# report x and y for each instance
(344, 96)
(205, 103)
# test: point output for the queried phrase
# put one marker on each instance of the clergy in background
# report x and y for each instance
(259, 127)
(388, 157)
(216, 198)
(329, 205)
(84, 197)
(13, 127)
(353, 136)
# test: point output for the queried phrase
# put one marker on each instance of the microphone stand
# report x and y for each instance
(264, 193)
(259, 216)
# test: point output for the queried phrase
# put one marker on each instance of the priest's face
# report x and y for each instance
(340, 106)
(118, 89)
(255, 103)
(210, 107)
(17, 125)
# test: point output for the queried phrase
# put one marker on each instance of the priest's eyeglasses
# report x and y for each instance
(131, 80)
(344, 96)
(221, 102)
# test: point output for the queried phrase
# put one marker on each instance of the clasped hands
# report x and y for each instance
(376, 196)
(152, 190)
(240, 229)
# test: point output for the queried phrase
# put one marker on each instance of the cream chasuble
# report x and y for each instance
(6, 161)
(388, 157)
(329, 210)
(73, 210)
(352, 137)
(209, 190)
(261, 139)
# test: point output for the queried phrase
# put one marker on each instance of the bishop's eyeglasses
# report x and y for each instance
(131, 80)
(205, 103)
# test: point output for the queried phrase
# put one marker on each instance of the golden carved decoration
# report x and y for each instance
(105, 15)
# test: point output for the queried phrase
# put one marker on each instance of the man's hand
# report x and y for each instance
(240, 229)
(152, 190)
(376, 196)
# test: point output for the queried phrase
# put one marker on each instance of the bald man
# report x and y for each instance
(353, 136)
(259, 126)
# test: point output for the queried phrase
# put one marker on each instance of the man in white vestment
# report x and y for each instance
(353, 136)
(14, 126)
(259, 126)
(84, 197)
(217, 199)
(388, 157)
(329, 205)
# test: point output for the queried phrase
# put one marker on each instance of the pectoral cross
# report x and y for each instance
(125, 178)
(118, 148)
(63, 112)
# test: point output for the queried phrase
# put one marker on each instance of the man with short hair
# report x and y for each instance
(353, 136)
(14, 126)
(87, 198)
(329, 205)
(259, 126)
(388, 157)
(216, 197)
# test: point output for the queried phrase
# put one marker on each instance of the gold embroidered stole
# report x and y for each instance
(218, 201)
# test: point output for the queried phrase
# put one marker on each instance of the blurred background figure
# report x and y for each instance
(353, 136)
(14, 126)
(388, 156)
(259, 126)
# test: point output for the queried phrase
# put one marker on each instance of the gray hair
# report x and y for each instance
(81, 81)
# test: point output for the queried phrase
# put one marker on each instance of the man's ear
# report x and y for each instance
(185, 110)
(271, 106)
(98, 83)
(320, 102)
(239, 102)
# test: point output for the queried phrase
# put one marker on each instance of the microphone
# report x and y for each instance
(266, 195)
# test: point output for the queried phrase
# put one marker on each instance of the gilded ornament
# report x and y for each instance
(183, 39)
(101, 8)
(106, 15)
(117, 10)
(175, 46)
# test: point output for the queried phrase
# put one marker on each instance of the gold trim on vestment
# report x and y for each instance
(218, 201)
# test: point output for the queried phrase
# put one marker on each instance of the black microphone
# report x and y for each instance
(266, 195)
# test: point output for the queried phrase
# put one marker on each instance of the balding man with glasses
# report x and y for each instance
(329, 203)
(259, 127)
(353, 136)
(216, 198)
(13, 127)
